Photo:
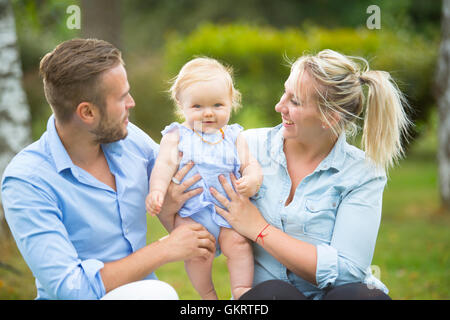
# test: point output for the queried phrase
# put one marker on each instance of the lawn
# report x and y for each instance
(412, 251)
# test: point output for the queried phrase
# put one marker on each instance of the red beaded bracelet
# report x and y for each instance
(260, 235)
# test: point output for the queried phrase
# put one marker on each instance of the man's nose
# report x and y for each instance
(130, 102)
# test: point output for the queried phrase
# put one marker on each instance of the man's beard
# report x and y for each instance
(107, 131)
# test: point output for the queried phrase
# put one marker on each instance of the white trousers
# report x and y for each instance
(143, 290)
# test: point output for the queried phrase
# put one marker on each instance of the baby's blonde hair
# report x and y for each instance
(203, 69)
(339, 81)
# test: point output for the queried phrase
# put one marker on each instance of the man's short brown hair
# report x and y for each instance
(72, 74)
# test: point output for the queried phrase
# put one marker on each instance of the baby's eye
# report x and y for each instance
(196, 106)
(218, 105)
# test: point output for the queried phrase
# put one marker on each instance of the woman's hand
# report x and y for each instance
(176, 196)
(240, 213)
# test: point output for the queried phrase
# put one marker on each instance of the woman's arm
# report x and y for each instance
(347, 256)
(298, 256)
(352, 245)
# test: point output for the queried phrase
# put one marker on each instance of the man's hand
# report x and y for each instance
(176, 196)
(189, 241)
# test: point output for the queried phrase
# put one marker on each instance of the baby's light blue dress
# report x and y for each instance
(211, 160)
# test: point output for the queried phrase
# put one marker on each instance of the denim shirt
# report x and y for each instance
(337, 208)
(66, 223)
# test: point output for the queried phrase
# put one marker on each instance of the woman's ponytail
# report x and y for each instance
(385, 120)
(340, 82)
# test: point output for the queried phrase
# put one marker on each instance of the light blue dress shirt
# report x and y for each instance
(66, 223)
(337, 208)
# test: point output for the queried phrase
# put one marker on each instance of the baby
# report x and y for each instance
(205, 95)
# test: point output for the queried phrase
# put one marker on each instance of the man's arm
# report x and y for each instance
(185, 242)
(36, 224)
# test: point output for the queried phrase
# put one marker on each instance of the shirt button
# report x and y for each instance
(281, 201)
(126, 231)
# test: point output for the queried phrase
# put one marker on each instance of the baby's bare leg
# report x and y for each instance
(199, 270)
(239, 255)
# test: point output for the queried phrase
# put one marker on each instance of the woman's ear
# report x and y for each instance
(333, 120)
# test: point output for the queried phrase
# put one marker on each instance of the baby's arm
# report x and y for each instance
(251, 171)
(166, 165)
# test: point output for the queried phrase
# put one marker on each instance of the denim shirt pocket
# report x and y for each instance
(320, 217)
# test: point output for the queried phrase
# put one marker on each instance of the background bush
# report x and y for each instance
(260, 55)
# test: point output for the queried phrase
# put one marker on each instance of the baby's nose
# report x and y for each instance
(208, 112)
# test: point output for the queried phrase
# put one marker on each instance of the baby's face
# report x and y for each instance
(206, 105)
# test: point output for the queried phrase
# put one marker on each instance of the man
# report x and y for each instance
(75, 199)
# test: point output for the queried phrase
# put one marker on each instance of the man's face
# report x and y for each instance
(114, 116)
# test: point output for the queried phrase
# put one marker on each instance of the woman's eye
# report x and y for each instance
(294, 102)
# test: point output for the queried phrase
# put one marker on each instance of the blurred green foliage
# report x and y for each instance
(253, 36)
(260, 57)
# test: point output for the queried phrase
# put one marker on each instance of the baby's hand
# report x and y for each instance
(154, 202)
(246, 187)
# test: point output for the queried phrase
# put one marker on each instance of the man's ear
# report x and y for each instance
(87, 112)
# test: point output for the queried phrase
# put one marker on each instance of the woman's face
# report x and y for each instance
(300, 116)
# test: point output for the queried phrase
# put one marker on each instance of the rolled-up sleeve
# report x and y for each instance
(348, 256)
(327, 266)
(36, 224)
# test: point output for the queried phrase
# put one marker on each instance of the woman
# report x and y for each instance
(315, 219)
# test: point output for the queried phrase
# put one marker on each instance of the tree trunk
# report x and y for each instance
(14, 111)
(101, 19)
(443, 99)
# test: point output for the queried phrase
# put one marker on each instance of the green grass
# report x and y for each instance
(175, 274)
(412, 250)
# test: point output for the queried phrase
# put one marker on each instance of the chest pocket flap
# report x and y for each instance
(321, 216)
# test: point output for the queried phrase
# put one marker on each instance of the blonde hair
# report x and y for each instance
(338, 81)
(203, 69)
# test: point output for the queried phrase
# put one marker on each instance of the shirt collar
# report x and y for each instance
(59, 153)
(57, 150)
(335, 159)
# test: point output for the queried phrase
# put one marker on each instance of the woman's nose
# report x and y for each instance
(281, 106)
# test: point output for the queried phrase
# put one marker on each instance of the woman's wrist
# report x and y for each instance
(263, 232)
